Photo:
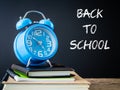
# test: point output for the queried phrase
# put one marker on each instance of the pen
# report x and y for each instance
(5, 77)
(12, 74)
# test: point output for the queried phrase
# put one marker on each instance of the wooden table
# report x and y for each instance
(104, 83)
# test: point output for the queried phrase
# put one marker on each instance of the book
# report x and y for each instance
(54, 71)
(18, 76)
(78, 84)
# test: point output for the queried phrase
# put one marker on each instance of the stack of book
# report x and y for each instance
(44, 78)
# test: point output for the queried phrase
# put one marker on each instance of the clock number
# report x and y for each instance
(29, 37)
(49, 44)
(48, 49)
(47, 37)
(34, 52)
(45, 53)
(38, 33)
(40, 54)
(30, 48)
(44, 34)
(29, 42)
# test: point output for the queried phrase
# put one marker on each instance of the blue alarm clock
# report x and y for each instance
(37, 42)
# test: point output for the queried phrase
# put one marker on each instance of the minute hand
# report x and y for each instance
(39, 42)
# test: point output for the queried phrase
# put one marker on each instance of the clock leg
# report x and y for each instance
(29, 62)
(47, 62)
(50, 64)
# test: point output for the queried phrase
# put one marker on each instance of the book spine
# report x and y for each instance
(19, 68)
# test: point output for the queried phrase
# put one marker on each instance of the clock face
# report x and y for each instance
(40, 42)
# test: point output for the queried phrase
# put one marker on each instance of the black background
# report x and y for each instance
(87, 63)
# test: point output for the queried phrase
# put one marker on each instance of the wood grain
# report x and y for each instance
(104, 83)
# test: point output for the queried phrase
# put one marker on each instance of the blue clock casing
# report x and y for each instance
(36, 42)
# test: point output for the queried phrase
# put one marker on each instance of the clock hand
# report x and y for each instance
(35, 39)
(39, 42)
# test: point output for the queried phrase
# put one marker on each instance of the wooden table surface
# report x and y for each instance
(104, 83)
